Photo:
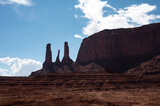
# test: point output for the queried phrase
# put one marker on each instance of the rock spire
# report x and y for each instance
(66, 59)
(57, 62)
(48, 58)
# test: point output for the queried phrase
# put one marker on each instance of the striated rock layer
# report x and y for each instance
(121, 49)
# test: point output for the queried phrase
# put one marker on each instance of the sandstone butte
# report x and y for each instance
(121, 49)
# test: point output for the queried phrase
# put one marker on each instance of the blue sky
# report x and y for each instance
(26, 26)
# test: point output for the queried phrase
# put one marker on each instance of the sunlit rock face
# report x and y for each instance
(121, 49)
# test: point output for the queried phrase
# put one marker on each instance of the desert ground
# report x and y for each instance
(77, 89)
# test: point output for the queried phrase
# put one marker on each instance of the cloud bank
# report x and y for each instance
(98, 17)
(78, 36)
(19, 67)
(20, 2)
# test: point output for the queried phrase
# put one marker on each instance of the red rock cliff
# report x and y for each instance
(121, 49)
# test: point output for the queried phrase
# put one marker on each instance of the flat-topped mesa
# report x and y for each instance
(48, 59)
(121, 49)
(57, 62)
(66, 59)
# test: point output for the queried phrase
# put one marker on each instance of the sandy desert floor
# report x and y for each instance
(79, 90)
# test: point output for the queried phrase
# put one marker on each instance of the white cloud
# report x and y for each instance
(75, 15)
(138, 13)
(132, 16)
(93, 9)
(19, 67)
(3, 72)
(78, 36)
(20, 2)
(158, 16)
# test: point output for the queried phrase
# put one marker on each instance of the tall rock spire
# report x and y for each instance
(66, 59)
(66, 50)
(48, 53)
(48, 59)
(57, 62)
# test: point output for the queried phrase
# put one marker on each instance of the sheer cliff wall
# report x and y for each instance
(121, 49)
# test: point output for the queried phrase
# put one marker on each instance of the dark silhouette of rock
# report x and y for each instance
(47, 65)
(57, 62)
(150, 69)
(66, 59)
(50, 67)
(121, 49)
(66, 66)
(48, 59)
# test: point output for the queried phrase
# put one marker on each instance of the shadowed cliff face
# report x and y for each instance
(121, 49)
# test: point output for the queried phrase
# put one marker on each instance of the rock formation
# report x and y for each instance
(148, 69)
(121, 49)
(65, 66)
(50, 67)
(151, 67)
(48, 59)
(47, 65)
(57, 62)
(66, 59)
(109, 51)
